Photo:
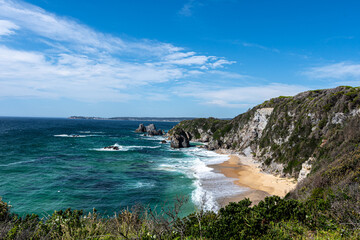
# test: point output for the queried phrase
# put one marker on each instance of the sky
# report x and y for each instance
(178, 58)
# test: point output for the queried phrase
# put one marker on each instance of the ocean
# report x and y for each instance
(44, 168)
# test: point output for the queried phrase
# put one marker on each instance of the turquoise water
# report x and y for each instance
(43, 169)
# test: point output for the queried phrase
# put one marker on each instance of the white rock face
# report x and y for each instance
(338, 118)
(305, 170)
(261, 118)
(247, 151)
(254, 129)
(355, 112)
(314, 120)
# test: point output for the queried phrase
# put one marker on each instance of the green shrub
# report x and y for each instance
(4, 210)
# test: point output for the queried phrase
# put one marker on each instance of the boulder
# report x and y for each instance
(180, 140)
(141, 128)
(163, 141)
(150, 130)
(156, 132)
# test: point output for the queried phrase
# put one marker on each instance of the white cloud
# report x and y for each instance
(340, 71)
(193, 60)
(238, 96)
(186, 10)
(74, 76)
(7, 27)
(220, 63)
(255, 45)
(74, 61)
(179, 55)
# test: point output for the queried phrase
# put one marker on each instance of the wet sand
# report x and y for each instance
(249, 175)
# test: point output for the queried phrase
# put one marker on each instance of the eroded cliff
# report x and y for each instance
(292, 136)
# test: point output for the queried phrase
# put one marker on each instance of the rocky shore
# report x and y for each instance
(311, 137)
(149, 130)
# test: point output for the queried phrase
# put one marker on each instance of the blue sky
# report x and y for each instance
(195, 58)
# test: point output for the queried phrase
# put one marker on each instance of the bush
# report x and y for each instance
(272, 218)
(4, 210)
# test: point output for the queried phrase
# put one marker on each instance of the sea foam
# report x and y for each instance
(75, 135)
(210, 187)
(124, 148)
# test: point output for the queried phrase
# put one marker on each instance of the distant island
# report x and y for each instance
(148, 119)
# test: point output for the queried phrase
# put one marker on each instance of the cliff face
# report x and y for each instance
(292, 136)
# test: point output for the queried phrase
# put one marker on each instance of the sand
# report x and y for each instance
(249, 175)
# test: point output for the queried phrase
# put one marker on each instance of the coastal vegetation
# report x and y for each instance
(319, 217)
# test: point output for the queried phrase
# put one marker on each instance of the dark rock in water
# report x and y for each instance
(180, 140)
(150, 130)
(163, 141)
(112, 148)
(153, 133)
(141, 128)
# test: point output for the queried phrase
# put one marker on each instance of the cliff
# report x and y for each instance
(314, 132)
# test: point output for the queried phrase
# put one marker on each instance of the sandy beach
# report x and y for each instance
(249, 175)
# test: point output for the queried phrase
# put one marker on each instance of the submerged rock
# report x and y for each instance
(112, 148)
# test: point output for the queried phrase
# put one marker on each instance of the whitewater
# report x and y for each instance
(51, 164)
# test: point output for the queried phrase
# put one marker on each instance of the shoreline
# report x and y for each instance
(247, 174)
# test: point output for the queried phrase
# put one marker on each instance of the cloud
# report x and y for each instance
(186, 10)
(237, 97)
(66, 59)
(340, 71)
(229, 75)
(74, 76)
(255, 45)
(7, 27)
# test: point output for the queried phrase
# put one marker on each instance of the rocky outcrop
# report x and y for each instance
(149, 130)
(284, 133)
(180, 140)
(141, 128)
(305, 169)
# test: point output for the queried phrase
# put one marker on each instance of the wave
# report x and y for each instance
(113, 148)
(116, 147)
(153, 138)
(210, 187)
(75, 135)
(16, 163)
(89, 132)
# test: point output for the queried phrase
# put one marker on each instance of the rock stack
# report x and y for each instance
(150, 130)
(180, 140)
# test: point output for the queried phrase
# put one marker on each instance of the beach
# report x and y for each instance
(246, 173)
